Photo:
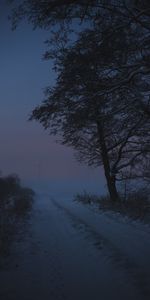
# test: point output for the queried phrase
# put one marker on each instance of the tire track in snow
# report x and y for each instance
(137, 275)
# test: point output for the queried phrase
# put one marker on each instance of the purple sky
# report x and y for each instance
(26, 148)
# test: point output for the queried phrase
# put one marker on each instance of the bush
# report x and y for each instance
(136, 205)
(15, 204)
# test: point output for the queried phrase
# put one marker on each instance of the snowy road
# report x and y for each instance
(73, 253)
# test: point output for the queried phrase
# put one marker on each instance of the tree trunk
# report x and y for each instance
(111, 184)
(110, 179)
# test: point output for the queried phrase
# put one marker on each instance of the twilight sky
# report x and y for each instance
(26, 149)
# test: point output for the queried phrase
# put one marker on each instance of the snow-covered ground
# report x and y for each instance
(71, 252)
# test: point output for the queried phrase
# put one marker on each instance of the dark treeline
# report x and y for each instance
(100, 103)
(15, 205)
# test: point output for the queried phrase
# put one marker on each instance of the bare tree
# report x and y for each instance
(100, 104)
(92, 111)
